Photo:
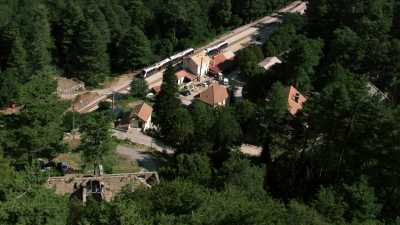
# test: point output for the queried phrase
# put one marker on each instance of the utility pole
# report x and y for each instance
(73, 122)
(113, 100)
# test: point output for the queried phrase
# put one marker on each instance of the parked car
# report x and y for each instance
(226, 81)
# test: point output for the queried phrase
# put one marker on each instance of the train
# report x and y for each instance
(148, 71)
(216, 47)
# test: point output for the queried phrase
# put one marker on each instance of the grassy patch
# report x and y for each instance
(73, 159)
(120, 164)
(125, 165)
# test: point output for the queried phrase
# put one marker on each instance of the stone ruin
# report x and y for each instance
(101, 187)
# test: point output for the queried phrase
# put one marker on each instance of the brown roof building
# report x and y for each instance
(295, 100)
(215, 95)
(198, 64)
(221, 62)
(143, 111)
(183, 76)
(267, 63)
(140, 117)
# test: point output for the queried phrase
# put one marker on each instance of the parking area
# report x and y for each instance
(189, 92)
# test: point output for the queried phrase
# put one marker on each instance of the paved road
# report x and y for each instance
(236, 39)
(138, 154)
(135, 136)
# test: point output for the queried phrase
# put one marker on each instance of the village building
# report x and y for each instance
(295, 100)
(184, 77)
(374, 91)
(11, 109)
(215, 95)
(101, 186)
(67, 88)
(222, 62)
(140, 117)
(198, 64)
(268, 62)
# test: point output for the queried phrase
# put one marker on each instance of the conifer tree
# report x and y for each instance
(91, 60)
(70, 19)
(139, 13)
(17, 60)
(134, 51)
(167, 102)
(40, 42)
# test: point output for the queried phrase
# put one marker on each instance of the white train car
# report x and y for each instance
(149, 71)
(216, 47)
(181, 54)
(166, 62)
(163, 62)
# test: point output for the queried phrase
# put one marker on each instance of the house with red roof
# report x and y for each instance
(215, 95)
(295, 100)
(140, 117)
(221, 62)
(183, 76)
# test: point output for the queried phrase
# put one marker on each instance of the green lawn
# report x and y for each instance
(120, 163)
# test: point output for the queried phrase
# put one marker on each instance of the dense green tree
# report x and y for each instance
(92, 11)
(41, 42)
(97, 143)
(178, 197)
(139, 13)
(180, 127)
(362, 201)
(166, 102)
(248, 10)
(280, 41)
(65, 30)
(231, 206)
(17, 60)
(133, 51)
(226, 133)
(186, 27)
(348, 48)
(245, 112)
(195, 167)
(33, 205)
(248, 60)
(89, 59)
(203, 120)
(367, 17)
(238, 173)
(330, 204)
(127, 212)
(9, 87)
(221, 13)
(36, 131)
(277, 105)
(139, 88)
(300, 62)
(302, 214)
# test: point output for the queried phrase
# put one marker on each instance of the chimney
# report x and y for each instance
(296, 97)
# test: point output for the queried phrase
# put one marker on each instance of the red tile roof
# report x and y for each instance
(217, 62)
(295, 100)
(214, 95)
(184, 73)
(142, 111)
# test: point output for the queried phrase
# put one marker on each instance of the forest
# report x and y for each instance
(335, 162)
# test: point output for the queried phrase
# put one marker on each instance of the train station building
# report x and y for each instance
(198, 64)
